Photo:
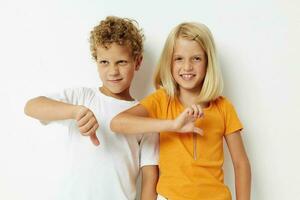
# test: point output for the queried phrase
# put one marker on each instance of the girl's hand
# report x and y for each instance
(87, 123)
(185, 122)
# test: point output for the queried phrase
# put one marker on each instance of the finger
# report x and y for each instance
(195, 110)
(82, 113)
(92, 130)
(189, 111)
(95, 139)
(198, 131)
(83, 120)
(88, 127)
(200, 111)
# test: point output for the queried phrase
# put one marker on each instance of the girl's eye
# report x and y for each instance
(197, 58)
(178, 59)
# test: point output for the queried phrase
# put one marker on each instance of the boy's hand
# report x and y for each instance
(185, 122)
(87, 123)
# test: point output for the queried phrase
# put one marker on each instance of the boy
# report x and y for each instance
(105, 166)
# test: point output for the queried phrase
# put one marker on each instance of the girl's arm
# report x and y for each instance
(241, 166)
(136, 120)
(149, 181)
(46, 109)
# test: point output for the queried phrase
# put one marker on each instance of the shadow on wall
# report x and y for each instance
(232, 88)
(142, 84)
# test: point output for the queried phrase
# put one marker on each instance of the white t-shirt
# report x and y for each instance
(108, 171)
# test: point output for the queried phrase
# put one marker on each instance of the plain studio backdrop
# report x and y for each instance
(44, 48)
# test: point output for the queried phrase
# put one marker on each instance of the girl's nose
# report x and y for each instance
(187, 66)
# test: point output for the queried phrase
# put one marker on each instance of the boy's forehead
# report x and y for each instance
(109, 45)
(114, 49)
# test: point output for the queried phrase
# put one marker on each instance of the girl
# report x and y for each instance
(192, 118)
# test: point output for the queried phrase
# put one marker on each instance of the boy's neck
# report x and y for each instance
(124, 95)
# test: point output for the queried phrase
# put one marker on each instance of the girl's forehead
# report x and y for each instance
(187, 45)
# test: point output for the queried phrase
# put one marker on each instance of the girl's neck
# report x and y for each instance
(188, 98)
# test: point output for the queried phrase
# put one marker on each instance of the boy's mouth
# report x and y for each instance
(115, 80)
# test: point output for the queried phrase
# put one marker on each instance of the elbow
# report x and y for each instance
(242, 165)
(114, 124)
(29, 106)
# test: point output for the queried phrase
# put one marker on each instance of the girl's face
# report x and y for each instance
(188, 65)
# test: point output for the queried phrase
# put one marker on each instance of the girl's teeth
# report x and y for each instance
(187, 76)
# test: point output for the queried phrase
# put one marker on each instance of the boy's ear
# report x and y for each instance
(138, 62)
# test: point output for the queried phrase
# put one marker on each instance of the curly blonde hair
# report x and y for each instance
(122, 31)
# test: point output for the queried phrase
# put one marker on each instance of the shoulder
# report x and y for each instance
(222, 101)
(86, 90)
(155, 98)
(160, 93)
(224, 105)
(81, 93)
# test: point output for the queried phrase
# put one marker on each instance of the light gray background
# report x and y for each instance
(44, 48)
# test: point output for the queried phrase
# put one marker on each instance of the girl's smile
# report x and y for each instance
(188, 65)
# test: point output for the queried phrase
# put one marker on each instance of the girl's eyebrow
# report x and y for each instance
(177, 55)
(200, 54)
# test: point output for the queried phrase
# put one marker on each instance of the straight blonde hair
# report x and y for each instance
(213, 83)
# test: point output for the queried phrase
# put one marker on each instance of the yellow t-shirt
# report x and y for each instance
(191, 165)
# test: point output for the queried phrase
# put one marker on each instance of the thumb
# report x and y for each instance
(94, 139)
(198, 131)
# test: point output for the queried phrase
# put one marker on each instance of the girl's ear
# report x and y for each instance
(138, 62)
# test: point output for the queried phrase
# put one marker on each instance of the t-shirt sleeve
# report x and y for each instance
(153, 103)
(70, 95)
(149, 149)
(232, 121)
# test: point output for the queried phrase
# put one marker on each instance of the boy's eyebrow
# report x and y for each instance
(122, 60)
(101, 58)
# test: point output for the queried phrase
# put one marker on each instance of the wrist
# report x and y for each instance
(75, 110)
(170, 126)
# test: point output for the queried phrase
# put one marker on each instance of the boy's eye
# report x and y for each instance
(122, 62)
(103, 62)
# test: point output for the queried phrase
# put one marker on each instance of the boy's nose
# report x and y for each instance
(114, 70)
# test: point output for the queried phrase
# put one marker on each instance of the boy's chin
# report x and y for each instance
(118, 90)
(115, 91)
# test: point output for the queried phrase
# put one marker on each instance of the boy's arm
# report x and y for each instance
(241, 166)
(46, 109)
(136, 120)
(149, 181)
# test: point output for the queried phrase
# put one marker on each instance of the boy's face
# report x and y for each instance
(116, 67)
